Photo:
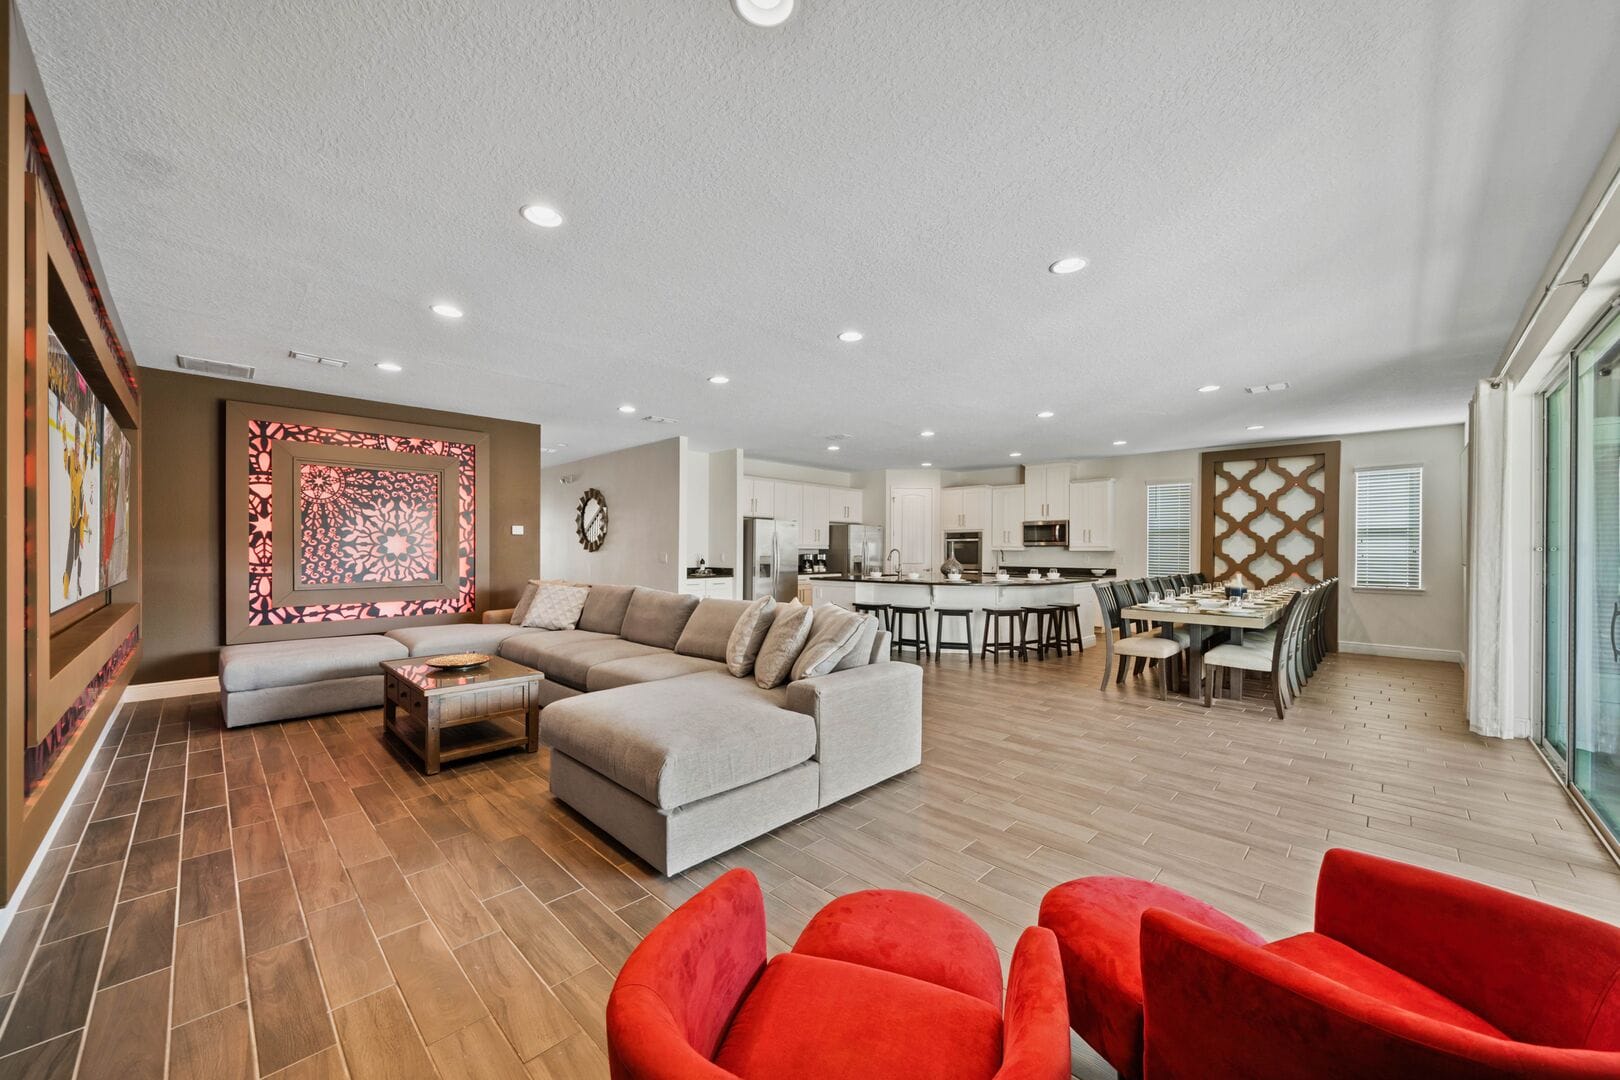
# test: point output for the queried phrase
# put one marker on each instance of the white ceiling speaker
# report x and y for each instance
(764, 12)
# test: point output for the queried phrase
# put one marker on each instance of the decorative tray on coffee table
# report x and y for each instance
(456, 661)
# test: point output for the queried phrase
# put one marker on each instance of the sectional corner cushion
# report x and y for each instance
(279, 680)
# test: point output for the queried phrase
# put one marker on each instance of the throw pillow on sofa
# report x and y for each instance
(748, 636)
(556, 607)
(521, 611)
(790, 629)
(834, 632)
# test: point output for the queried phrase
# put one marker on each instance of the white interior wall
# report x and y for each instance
(804, 474)
(725, 501)
(642, 486)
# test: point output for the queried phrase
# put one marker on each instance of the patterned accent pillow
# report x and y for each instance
(790, 629)
(524, 601)
(835, 632)
(748, 635)
(556, 607)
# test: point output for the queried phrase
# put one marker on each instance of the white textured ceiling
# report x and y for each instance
(1355, 197)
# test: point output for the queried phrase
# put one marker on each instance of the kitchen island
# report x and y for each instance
(973, 592)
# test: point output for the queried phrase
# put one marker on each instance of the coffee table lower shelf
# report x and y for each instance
(463, 739)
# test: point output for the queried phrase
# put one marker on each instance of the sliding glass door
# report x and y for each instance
(1594, 599)
(1555, 575)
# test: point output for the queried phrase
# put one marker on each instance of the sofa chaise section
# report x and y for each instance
(281, 680)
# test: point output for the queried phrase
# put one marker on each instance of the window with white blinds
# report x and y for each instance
(1389, 528)
(1169, 528)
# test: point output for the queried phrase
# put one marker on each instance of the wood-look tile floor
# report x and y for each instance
(296, 900)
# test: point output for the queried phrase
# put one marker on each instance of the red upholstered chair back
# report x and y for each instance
(680, 988)
(1540, 973)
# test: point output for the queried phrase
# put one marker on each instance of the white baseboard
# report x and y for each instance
(152, 691)
(8, 912)
(1404, 652)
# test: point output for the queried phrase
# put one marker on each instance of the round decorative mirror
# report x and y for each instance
(591, 522)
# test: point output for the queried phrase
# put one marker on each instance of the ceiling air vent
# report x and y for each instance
(654, 419)
(321, 361)
(213, 367)
(1265, 388)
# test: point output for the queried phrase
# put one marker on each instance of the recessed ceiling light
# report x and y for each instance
(1119, 442)
(926, 434)
(389, 366)
(1016, 453)
(719, 380)
(928, 464)
(627, 408)
(1208, 388)
(1256, 427)
(448, 311)
(1044, 414)
(851, 336)
(1068, 265)
(543, 216)
(763, 12)
(834, 446)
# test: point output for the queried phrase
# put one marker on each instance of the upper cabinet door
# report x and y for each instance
(1007, 518)
(950, 508)
(788, 501)
(1057, 492)
(846, 504)
(976, 509)
(1091, 516)
(817, 514)
(759, 497)
(1034, 492)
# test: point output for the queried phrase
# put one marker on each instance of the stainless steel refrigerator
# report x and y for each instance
(853, 548)
(771, 556)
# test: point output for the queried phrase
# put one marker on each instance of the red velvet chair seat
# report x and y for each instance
(1347, 967)
(801, 1021)
(1098, 923)
(909, 934)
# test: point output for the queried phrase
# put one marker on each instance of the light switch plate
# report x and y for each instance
(517, 530)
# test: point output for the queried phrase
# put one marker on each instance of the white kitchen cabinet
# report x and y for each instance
(758, 497)
(719, 588)
(1091, 515)
(847, 504)
(816, 516)
(1007, 518)
(787, 502)
(1046, 491)
(965, 509)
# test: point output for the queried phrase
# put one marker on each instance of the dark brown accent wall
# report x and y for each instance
(182, 503)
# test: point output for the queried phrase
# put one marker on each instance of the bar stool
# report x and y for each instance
(994, 645)
(918, 640)
(966, 644)
(1069, 630)
(884, 612)
(1046, 629)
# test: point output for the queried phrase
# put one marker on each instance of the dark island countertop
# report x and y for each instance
(1083, 578)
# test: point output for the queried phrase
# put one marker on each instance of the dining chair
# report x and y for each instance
(1143, 647)
(1276, 661)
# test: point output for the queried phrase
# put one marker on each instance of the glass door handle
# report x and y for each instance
(1613, 617)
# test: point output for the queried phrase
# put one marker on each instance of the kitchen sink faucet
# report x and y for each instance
(896, 553)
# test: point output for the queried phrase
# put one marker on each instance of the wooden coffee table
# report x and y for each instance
(448, 715)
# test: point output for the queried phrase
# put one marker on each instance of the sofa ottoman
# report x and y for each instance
(682, 769)
(281, 680)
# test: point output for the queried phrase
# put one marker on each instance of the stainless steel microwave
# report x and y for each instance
(1046, 534)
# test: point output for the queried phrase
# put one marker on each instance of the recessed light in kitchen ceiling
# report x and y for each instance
(1044, 414)
(543, 216)
(835, 447)
(850, 337)
(389, 366)
(1256, 427)
(1016, 453)
(719, 380)
(925, 434)
(1119, 442)
(763, 12)
(1209, 388)
(928, 464)
(1068, 265)
(448, 311)
(627, 409)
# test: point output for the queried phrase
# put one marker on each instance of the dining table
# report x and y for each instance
(1255, 611)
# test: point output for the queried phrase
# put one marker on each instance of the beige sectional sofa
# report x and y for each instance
(652, 738)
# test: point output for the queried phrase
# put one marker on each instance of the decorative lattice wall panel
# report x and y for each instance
(1271, 513)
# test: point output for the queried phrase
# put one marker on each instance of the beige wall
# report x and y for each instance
(182, 507)
(642, 486)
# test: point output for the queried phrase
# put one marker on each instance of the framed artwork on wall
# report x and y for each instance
(346, 525)
(117, 480)
(73, 481)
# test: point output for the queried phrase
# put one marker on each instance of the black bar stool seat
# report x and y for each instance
(966, 644)
(884, 612)
(995, 643)
(918, 638)
(1046, 629)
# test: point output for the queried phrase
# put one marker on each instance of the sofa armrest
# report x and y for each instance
(1036, 1019)
(498, 615)
(868, 724)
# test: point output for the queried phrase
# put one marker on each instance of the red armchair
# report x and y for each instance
(1408, 973)
(880, 985)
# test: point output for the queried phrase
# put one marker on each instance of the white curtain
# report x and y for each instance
(1490, 707)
